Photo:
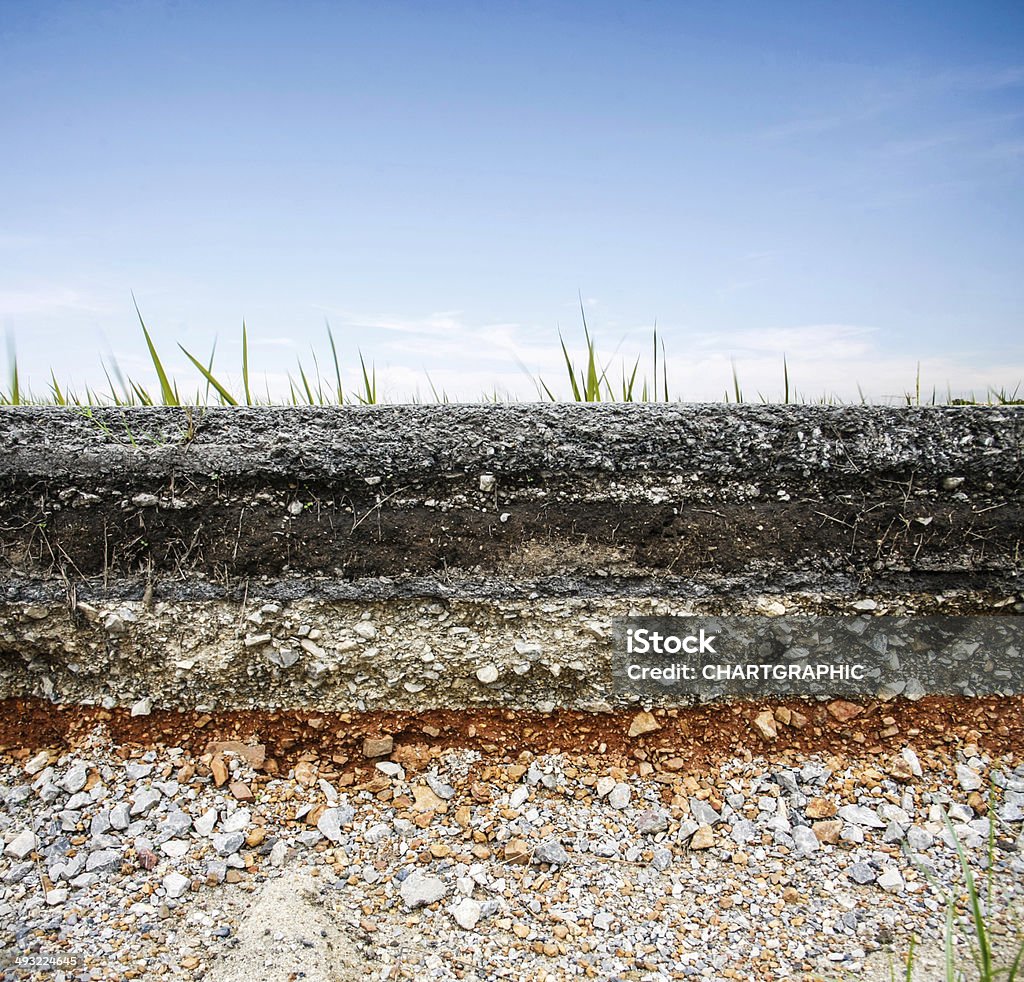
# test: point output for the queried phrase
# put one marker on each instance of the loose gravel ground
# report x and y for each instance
(421, 862)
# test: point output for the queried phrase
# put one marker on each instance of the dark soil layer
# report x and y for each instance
(224, 533)
(518, 489)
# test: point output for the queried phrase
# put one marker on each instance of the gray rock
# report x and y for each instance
(805, 840)
(1011, 812)
(120, 816)
(743, 831)
(967, 778)
(175, 848)
(175, 885)
(785, 780)
(420, 889)
(177, 823)
(22, 844)
(912, 762)
(135, 771)
(861, 815)
(237, 821)
(37, 763)
(100, 823)
(103, 860)
(891, 881)
(227, 843)
(279, 853)
(48, 793)
(814, 773)
(282, 657)
(893, 832)
(662, 858)
(17, 873)
(918, 839)
(74, 866)
(377, 833)
(204, 825)
(441, 788)
(466, 913)
(332, 820)
(862, 873)
(144, 801)
(619, 796)
(893, 813)
(75, 778)
(703, 813)
(651, 821)
(519, 796)
(961, 813)
(550, 851)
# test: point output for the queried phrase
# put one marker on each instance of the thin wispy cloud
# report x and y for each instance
(48, 300)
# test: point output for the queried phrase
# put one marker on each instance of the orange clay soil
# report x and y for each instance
(691, 738)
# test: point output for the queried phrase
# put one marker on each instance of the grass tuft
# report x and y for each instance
(588, 381)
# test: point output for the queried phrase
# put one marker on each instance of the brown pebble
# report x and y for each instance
(643, 723)
(219, 770)
(241, 791)
(827, 832)
(820, 808)
(844, 711)
(517, 851)
(305, 773)
(378, 746)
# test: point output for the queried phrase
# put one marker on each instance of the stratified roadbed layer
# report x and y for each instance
(672, 739)
(366, 558)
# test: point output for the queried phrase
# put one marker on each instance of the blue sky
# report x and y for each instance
(839, 182)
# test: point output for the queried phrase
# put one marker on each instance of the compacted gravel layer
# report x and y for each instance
(806, 841)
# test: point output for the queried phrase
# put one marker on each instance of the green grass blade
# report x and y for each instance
(339, 395)
(627, 389)
(209, 368)
(245, 365)
(226, 396)
(169, 395)
(319, 379)
(592, 385)
(909, 977)
(368, 397)
(58, 396)
(948, 944)
(143, 396)
(984, 948)
(305, 383)
(15, 384)
(664, 370)
(655, 376)
(1014, 969)
(570, 369)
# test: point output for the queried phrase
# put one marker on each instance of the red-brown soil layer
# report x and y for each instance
(691, 738)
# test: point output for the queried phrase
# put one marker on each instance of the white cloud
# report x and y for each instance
(48, 300)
